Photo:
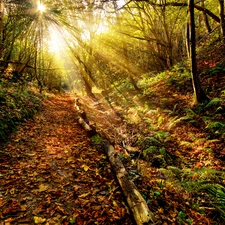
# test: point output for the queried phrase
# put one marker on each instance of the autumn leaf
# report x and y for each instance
(9, 221)
(86, 168)
(43, 187)
(30, 154)
(73, 220)
(84, 195)
(60, 210)
(2, 202)
(39, 220)
(71, 159)
(114, 203)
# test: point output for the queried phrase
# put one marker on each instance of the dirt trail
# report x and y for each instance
(52, 173)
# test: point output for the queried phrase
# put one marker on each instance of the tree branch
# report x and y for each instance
(178, 4)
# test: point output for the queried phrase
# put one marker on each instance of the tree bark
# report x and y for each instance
(199, 95)
(222, 19)
(2, 8)
(205, 18)
(183, 4)
(135, 201)
(137, 204)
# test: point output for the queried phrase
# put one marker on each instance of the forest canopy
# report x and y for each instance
(86, 45)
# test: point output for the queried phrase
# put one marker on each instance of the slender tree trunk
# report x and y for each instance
(2, 8)
(222, 19)
(199, 95)
(205, 18)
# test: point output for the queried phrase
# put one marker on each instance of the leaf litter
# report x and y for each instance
(55, 174)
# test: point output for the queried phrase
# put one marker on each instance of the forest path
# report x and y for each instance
(52, 173)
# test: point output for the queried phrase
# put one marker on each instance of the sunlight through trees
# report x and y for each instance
(108, 41)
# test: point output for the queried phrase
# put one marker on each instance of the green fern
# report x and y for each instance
(214, 102)
(152, 140)
(218, 192)
(216, 126)
(190, 112)
(147, 153)
(161, 135)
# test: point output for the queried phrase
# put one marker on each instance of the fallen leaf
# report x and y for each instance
(39, 220)
(71, 159)
(12, 208)
(8, 221)
(2, 202)
(12, 191)
(84, 195)
(114, 203)
(60, 210)
(86, 168)
(161, 210)
(30, 154)
(23, 207)
(43, 187)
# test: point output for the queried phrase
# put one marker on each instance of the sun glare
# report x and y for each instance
(41, 7)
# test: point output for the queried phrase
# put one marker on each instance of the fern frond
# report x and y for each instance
(191, 112)
(214, 102)
(216, 125)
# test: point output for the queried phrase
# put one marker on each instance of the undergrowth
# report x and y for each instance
(15, 107)
(175, 137)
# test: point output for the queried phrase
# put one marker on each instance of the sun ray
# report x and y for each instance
(41, 7)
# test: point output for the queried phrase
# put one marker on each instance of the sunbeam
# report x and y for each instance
(41, 7)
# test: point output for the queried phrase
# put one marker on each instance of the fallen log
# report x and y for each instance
(135, 201)
(83, 120)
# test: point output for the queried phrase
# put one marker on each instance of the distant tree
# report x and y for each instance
(2, 8)
(222, 19)
(199, 94)
(205, 18)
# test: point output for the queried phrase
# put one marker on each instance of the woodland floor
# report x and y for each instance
(52, 173)
(164, 190)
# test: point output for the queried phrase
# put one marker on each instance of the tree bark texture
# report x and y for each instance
(222, 19)
(2, 8)
(199, 94)
(205, 18)
(136, 202)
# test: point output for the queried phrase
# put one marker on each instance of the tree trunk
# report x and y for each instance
(2, 8)
(136, 202)
(222, 19)
(205, 18)
(199, 95)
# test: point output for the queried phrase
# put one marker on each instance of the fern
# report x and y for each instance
(214, 102)
(187, 118)
(147, 153)
(176, 120)
(191, 112)
(215, 126)
(161, 135)
(187, 144)
(152, 140)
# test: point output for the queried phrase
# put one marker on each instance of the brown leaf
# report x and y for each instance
(2, 202)
(12, 208)
(60, 210)
(43, 187)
